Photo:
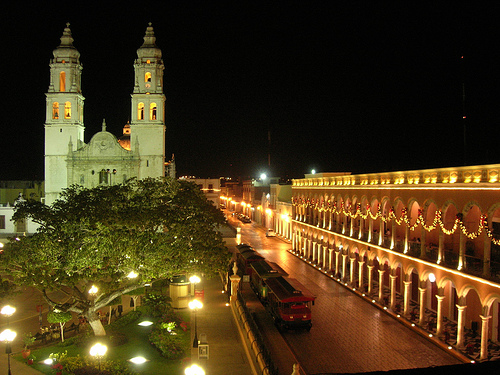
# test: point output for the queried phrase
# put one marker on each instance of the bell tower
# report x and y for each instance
(147, 128)
(64, 129)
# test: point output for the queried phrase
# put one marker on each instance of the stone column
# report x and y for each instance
(361, 226)
(337, 263)
(423, 250)
(370, 229)
(422, 295)
(393, 291)
(461, 325)
(235, 282)
(330, 259)
(381, 286)
(486, 256)
(324, 264)
(393, 234)
(484, 336)
(461, 253)
(440, 246)
(314, 248)
(406, 310)
(344, 267)
(361, 265)
(351, 268)
(407, 240)
(439, 323)
(370, 278)
(381, 232)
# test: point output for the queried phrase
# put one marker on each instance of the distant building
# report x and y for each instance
(12, 192)
(105, 160)
(210, 187)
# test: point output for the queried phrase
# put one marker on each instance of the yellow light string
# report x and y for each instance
(403, 218)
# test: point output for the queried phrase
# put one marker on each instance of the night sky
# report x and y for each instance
(359, 86)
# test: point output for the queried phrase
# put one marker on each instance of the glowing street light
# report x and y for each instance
(93, 290)
(194, 280)
(138, 360)
(7, 311)
(8, 336)
(132, 275)
(98, 351)
(195, 305)
(194, 370)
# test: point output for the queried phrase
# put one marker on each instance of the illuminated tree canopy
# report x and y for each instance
(156, 228)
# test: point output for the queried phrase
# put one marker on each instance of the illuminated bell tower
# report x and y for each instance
(147, 128)
(64, 129)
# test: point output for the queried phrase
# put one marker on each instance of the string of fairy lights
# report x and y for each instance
(404, 219)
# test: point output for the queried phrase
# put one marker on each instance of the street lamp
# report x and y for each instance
(98, 351)
(93, 290)
(194, 370)
(7, 311)
(8, 336)
(194, 280)
(195, 305)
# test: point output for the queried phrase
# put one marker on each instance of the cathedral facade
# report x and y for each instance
(105, 160)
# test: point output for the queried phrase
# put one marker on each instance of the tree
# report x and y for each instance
(61, 317)
(157, 228)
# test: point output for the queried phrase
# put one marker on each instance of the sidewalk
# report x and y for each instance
(226, 352)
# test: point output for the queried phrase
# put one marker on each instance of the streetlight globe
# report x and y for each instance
(132, 275)
(7, 335)
(194, 370)
(98, 350)
(8, 310)
(194, 279)
(93, 290)
(195, 304)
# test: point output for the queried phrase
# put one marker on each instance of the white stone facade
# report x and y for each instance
(104, 160)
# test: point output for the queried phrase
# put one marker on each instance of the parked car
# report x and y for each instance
(245, 219)
(270, 233)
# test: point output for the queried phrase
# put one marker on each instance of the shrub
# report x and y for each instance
(156, 304)
(88, 366)
(170, 346)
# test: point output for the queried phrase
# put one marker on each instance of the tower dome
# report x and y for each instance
(149, 49)
(66, 52)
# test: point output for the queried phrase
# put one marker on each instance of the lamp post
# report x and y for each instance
(98, 351)
(7, 311)
(195, 305)
(194, 280)
(8, 336)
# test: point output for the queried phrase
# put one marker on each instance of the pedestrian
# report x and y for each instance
(120, 310)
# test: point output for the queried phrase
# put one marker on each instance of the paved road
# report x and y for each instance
(349, 335)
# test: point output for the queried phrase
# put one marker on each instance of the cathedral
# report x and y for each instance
(105, 160)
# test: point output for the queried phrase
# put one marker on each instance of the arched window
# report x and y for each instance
(140, 111)
(152, 111)
(67, 110)
(62, 81)
(103, 177)
(147, 77)
(55, 110)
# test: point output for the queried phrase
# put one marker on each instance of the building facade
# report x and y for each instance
(104, 160)
(425, 244)
(210, 188)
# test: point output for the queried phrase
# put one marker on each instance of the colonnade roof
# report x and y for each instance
(470, 175)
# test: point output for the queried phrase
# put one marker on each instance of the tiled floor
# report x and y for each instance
(472, 344)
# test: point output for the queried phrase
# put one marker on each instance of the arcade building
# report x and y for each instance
(425, 244)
